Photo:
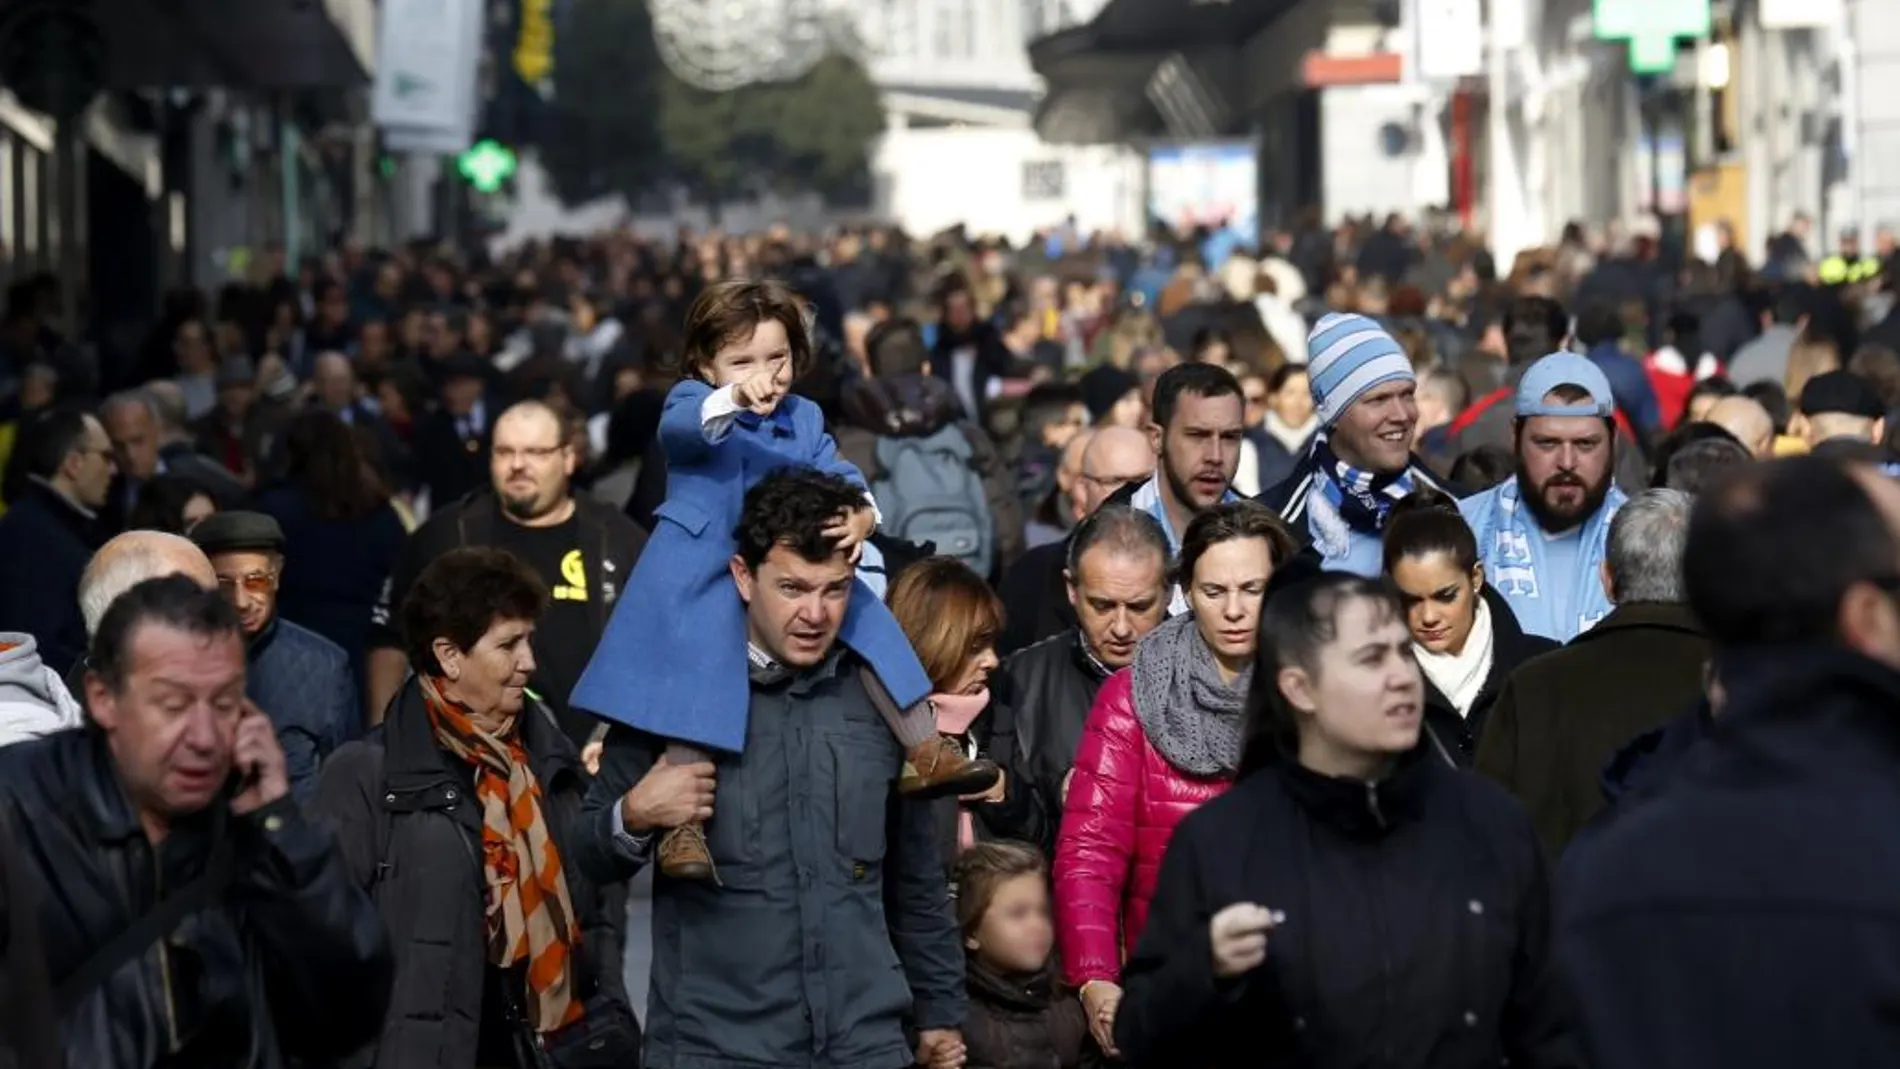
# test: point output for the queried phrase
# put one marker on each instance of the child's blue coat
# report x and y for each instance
(673, 658)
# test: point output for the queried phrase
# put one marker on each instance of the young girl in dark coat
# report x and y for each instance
(1019, 1017)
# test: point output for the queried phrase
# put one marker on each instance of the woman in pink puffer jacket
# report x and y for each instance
(1163, 737)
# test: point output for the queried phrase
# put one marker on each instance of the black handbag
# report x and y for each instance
(606, 1037)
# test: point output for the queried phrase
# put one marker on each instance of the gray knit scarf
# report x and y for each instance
(1191, 715)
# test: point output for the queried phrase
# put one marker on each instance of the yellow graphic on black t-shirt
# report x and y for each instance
(573, 584)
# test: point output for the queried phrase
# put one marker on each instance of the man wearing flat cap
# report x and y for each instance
(300, 679)
(1838, 404)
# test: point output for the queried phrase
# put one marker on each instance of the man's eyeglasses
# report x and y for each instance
(539, 452)
(250, 583)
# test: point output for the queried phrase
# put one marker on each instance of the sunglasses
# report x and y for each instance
(251, 583)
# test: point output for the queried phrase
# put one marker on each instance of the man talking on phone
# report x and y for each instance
(191, 915)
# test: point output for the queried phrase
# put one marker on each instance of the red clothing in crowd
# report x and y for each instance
(1123, 804)
(1672, 379)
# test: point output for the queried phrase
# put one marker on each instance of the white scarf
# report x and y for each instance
(1288, 435)
(1460, 676)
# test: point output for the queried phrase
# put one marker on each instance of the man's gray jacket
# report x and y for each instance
(831, 929)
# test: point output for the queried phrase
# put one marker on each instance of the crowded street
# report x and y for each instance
(1420, 637)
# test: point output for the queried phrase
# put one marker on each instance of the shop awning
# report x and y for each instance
(236, 44)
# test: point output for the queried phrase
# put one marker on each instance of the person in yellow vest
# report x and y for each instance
(1849, 266)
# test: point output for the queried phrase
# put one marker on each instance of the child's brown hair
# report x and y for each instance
(984, 868)
(729, 311)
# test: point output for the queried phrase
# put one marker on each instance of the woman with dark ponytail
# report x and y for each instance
(1352, 900)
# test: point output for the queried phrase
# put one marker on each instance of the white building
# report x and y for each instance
(959, 147)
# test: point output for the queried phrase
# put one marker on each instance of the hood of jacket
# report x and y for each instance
(904, 406)
(33, 700)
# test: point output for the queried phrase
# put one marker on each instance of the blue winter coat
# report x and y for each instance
(673, 659)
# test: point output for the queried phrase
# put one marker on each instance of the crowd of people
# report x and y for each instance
(846, 652)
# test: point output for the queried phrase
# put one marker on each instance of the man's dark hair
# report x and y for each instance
(1760, 570)
(1045, 404)
(1122, 529)
(1703, 463)
(791, 507)
(1599, 323)
(1201, 380)
(1772, 396)
(896, 347)
(1790, 305)
(1676, 441)
(1482, 467)
(1534, 327)
(1717, 387)
(462, 594)
(173, 601)
(48, 439)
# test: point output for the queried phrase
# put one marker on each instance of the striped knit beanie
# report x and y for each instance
(1348, 355)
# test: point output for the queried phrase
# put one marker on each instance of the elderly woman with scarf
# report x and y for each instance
(1163, 737)
(453, 815)
(1360, 463)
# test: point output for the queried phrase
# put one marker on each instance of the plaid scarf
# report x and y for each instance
(1361, 500)
(530, 918)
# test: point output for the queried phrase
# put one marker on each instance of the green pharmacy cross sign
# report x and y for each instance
(487, 165)
(1651, 27)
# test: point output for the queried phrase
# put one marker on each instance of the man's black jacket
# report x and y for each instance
(290, 962)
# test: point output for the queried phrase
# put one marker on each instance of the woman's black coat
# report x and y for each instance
(1510, 646)
(411, 831)
(1416, 930)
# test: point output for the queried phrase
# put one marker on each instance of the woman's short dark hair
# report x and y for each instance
(729, 311)
(161, 504)
(1428, 522)
(1295, 625)
(1227, 522)
(462, 594)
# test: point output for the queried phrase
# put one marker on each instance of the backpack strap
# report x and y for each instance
(1476, 409)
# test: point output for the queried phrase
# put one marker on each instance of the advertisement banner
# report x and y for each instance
(1215, 185)
(424, 98)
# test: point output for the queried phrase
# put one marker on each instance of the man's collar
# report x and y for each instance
(1089, 660)
(65, 498)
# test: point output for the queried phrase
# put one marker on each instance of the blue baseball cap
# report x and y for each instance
(1564, 369)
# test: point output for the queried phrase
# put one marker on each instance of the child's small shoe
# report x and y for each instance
(684, 854)
(939, 768)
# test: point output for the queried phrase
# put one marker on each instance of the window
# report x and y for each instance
(955, 34)
(1043, 180)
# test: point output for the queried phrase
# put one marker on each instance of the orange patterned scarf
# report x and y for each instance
(530, 917)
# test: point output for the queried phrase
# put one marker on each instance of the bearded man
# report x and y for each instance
(1541, 535)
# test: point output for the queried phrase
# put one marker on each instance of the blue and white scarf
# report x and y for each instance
(1344, 499)
(1511, 545)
